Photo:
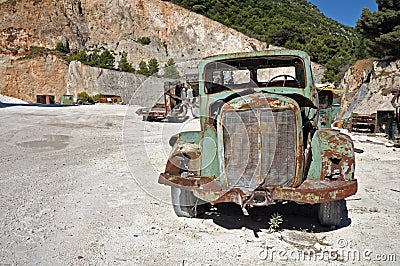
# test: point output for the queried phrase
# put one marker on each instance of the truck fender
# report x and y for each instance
(332, 156)
(185, 145)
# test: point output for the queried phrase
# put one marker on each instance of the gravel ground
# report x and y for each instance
(79, 187)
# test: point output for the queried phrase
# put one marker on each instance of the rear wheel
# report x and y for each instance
(331, 213)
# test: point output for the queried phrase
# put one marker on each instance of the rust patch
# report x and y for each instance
(316, 191)
(172, 165)
(233, 195)
(337, 162)
(336, 167)
(187, 182)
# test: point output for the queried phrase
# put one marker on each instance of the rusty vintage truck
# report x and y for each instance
(174, 104)
(260, 140)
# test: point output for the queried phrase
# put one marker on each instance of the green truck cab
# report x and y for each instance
(260, 140)
(67, 99)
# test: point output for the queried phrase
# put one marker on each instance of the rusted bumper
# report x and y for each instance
(189, 182)
(310, 191)
(316, 191)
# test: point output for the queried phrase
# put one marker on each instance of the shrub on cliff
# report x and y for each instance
(104, 60)
(153, 66)
(143, 68)
(145, 40)
(81, 56)
(60, 47)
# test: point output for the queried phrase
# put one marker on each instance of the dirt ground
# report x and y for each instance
(79, 187)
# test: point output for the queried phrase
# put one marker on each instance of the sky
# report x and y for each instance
(346, 12)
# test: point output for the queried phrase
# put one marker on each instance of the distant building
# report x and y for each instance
(111, 99)
(45, 99)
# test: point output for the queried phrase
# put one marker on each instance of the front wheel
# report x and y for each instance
(184, 202)
(331, 213)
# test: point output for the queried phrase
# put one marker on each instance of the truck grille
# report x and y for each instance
(260, 147)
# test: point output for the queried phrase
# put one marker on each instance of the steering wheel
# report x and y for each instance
(285, 76)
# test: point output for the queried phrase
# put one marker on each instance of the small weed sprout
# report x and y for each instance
(275, 221)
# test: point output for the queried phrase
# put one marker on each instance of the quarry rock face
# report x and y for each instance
(368, 85)
(14, 42)
(119, 25)
(95, 80)
(115, 25)
(24, 79)
(142, 29)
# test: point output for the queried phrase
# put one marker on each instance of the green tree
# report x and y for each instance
(106, 60)
(296, 24)
(170, 70)
(381, 28)
(143, 68)
(124, 65)
(95, 98)
(153, 66)
(84, 96)
(93, 58)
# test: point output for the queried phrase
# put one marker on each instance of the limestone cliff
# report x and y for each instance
(24, 79)
(97, 80)
(368, 86)
(118, 25)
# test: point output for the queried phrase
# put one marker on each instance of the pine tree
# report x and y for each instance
(153, 66)
(381, 28)
(81, 56)
(106, 60)
(170, 70)
(124, 65)
(143, 68)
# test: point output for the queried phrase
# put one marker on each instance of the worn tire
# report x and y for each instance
(196, 111)
(184, 202)
(331, 213)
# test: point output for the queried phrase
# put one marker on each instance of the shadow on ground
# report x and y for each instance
(300, 217)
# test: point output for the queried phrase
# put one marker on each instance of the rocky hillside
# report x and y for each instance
(95, 80)
(294, 24)
(24, 79)
(368, 85)
(116, 25)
